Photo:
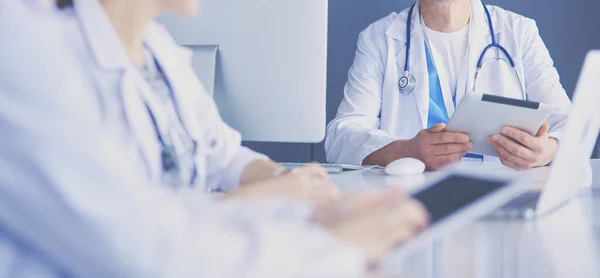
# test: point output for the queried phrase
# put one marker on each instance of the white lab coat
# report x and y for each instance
(220, 157)
(374, 113)
(76, 196)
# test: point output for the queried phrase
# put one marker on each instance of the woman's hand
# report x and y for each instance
(309, 183)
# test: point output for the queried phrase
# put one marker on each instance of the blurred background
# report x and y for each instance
(569, 29)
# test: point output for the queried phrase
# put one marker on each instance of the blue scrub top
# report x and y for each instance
(437, 108)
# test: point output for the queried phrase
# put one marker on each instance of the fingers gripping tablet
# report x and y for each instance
(481, 115)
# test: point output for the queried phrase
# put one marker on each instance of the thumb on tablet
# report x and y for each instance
(544, 129)
(437, 128)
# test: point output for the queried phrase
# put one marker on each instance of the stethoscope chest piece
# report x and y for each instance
(407, 84)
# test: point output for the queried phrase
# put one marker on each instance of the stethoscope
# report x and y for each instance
(408, 82)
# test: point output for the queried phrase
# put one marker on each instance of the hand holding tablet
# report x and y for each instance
(520, 150)
(481, 116)
(437, 147)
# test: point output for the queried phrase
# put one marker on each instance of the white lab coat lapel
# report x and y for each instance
(171, 66)
(417, 65)
(479, 39)
(133, 87)
(187, 93)
(112, 59)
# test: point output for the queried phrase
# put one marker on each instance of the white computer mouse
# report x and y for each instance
(405, 167)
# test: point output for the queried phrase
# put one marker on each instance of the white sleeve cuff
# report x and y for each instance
(557, 135)
(372, 145)
(240, 161)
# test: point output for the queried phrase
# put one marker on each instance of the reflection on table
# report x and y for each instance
(564, 244)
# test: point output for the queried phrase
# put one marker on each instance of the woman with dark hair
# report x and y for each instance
(86, 104)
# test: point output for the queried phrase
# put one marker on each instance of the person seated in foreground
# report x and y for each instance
(77, 198)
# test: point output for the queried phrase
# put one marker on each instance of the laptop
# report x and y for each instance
(491, 186)
(570, 171)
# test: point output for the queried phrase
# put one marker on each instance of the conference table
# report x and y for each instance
(563, 244)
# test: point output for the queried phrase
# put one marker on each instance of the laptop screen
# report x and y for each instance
(453, 193)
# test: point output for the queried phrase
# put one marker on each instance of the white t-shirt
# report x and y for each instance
(449, 51)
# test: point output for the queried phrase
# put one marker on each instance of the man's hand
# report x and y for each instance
(438, 148)
(375, 223)
(520, 150)
(434, 146)
(307, 183)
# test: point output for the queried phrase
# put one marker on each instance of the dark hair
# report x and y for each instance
(61, 4)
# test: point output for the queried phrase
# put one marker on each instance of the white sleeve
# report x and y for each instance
(542, 81)
(355, 133)
(236, 167)
(226, 158)
(74, 188)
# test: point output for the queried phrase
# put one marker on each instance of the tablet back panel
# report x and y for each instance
(481, 115)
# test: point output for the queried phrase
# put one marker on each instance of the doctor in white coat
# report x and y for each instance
(77, 198)
(184, 142)
(379, 121)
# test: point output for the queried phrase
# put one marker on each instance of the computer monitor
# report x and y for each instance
(271, 64)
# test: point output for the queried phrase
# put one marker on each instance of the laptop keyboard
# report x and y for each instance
(520, 207)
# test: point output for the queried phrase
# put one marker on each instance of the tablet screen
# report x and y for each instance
(453, 193)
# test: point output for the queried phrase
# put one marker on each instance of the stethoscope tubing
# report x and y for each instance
(405, 81)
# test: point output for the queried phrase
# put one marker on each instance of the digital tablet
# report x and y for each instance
(461, 195)
(482, 115)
